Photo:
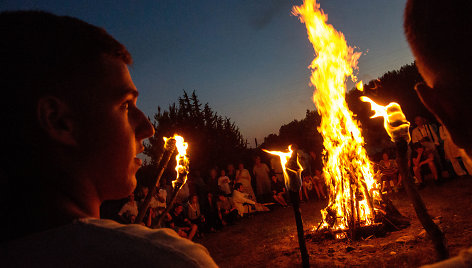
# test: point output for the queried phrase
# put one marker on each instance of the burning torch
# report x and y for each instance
(397, 127)
(162, 161)
(182, 167)
(292, 170)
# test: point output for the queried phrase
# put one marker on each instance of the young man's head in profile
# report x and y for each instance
(70, 125)
(439, 33)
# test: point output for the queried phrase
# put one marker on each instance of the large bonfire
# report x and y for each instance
(348, 172)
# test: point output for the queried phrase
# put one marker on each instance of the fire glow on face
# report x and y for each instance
(347, 170)
(181, 158)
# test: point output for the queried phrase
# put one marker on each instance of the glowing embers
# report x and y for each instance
(347, 170)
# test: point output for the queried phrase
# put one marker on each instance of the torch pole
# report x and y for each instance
(293, 183)
(174, 194)
(169, 148)
(295, 197)
(431, 228)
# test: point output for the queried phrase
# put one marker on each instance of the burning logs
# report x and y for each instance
(387, 219)
(361, 232)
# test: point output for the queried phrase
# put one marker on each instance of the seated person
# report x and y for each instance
(227, 212)
(161, 198)
(389, 169)
(152, 217)
(307, 186)
(278, 190)
(422, 161)
(129, 211)
(224, 183)
(143, 193)
(210, 212)
(71, 117)
(319, 184)
(194, 213)
(182, 223)
(242, 202)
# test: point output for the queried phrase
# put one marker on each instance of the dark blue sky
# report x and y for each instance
(248, 58)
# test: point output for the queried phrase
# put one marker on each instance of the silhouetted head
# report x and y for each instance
(385, 156)
(439, 35)
(257, 160)
(419, 121)
(213, 173)
(238, 187)
(69, 107)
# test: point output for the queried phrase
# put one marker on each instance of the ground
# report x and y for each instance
(270, 239)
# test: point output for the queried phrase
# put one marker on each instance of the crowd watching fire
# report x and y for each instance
(70, 92)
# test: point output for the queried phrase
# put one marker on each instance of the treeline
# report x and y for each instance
(216, 140)
(213, 140)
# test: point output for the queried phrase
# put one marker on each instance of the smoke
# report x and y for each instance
(262, 12)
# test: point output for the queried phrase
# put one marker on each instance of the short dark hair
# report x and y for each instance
(237, 185)
(439, 33)
(42, 54)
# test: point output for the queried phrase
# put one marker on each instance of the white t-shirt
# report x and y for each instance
(162, 194)
(130, 207)
(223, 183)
(104, 243)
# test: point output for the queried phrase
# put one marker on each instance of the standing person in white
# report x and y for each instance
(244, 177)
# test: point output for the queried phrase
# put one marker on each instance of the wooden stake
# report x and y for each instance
(295, 198)
(294, 185)
(431, 228)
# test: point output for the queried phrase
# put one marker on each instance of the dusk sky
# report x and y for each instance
(248, 59)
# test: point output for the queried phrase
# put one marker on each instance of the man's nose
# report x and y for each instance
(144, 128)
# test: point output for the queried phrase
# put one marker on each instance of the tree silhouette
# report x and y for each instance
(213, 140)
(303, 133)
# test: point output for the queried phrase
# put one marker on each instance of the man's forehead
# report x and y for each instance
(116, 79)
(128, 91)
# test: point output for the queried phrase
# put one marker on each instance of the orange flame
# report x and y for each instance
(284, 158)
(360, 86)
(182, 161)
(395, 122)
(347, 169)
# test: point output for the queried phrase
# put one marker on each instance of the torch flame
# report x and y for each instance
(182, 161)
(360, 86)
(395, 122)
(284, 159)
(347, 169)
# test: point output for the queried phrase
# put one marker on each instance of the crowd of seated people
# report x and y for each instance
(223, 196)
(432, 157)
(207, 204)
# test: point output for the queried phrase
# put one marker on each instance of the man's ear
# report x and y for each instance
(55, 117)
